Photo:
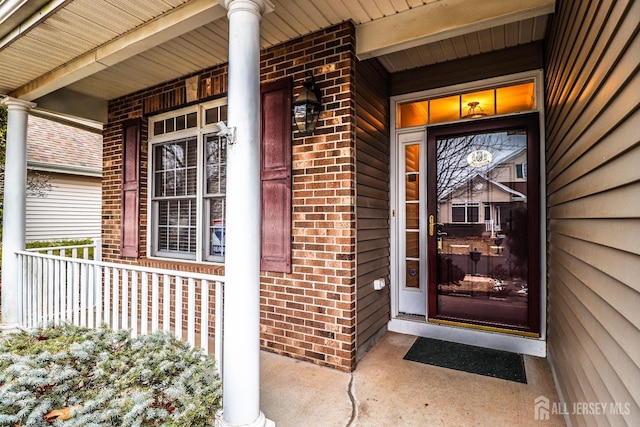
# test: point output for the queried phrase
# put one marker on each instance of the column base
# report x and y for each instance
(261, 421)
(8, 328)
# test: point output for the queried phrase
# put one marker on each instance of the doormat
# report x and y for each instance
(468, 358)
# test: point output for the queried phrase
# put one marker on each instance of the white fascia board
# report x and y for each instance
(64, 169)
(173, 24)
(440, 20)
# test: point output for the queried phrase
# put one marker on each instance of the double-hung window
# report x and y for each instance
(187, 183)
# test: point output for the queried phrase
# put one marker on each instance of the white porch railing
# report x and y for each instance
(77, 251)
(55, 289)
(492, 226)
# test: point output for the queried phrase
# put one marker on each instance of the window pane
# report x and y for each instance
(412, 158)
(211, 116)
(412, 274)
(163, 238)
(444, 109)
(457, 214)
(176, 226)
(512, 99)
(215, 158)
(472, 214)
(180, 122)
(413, 245)
(192, 120)
(478, 103)
(223, 113)
(181, 182)
(412, 187)
(413, 114)
(216, 226)
(170, 125)
(175, 165)
(412, 213)
(158, 128)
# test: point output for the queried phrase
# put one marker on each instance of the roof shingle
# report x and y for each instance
(58, 144)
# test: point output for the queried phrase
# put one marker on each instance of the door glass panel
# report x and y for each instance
(412, 216)
(413, 246)
(482, 227)
(412, 274)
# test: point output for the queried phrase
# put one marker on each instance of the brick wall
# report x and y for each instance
(310, 313)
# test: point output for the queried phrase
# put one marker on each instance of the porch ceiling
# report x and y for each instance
(100, 50)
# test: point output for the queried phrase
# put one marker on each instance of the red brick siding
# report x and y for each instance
(310, 313)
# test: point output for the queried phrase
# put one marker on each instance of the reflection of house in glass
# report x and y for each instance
(479, 200)
(482, 240)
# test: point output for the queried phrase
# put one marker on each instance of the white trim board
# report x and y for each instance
(497, 341)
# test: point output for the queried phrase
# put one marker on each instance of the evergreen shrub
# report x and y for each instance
(72, 376)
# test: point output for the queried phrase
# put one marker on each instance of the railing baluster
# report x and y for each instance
(83, 294)
(56, 290)
(166, 302)
(60, 303)
(76, 293)
(40, 294)
(33, 297)
(144, 304)
(107, 296)
(204, 315)
(48, 277)
(97, 287)
(125, 299)
(155, 300)
(68, 266)
(191, 311)
(21, 288)
(134, 304)
(116, 300)
(91, 308)
(178, 308)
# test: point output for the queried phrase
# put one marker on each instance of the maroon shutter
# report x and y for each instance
(275, 175)
(130, 225)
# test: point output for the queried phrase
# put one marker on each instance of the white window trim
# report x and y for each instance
(466, 206)
(202, 129)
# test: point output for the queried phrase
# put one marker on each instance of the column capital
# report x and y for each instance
(17, 103)
(257, 6)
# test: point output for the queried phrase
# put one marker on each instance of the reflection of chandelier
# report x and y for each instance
(474, 111)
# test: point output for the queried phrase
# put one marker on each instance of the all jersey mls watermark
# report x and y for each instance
(544, 408)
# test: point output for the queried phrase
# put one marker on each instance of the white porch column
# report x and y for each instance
(241, 354)
(15, 192)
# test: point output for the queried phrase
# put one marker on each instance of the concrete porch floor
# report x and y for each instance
(386, 390)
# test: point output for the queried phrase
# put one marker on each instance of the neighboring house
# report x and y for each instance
(355, 203)
(69, 159)
(485, 190)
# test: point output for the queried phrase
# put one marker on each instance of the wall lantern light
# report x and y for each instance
(306, 107)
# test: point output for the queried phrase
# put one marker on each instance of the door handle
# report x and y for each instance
(432, 225)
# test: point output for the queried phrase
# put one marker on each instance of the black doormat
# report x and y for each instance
(468, 358)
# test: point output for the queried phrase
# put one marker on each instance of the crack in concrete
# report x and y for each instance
(354, 404)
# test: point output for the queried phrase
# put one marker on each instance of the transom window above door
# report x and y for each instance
(507, 99)
(187, 183)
